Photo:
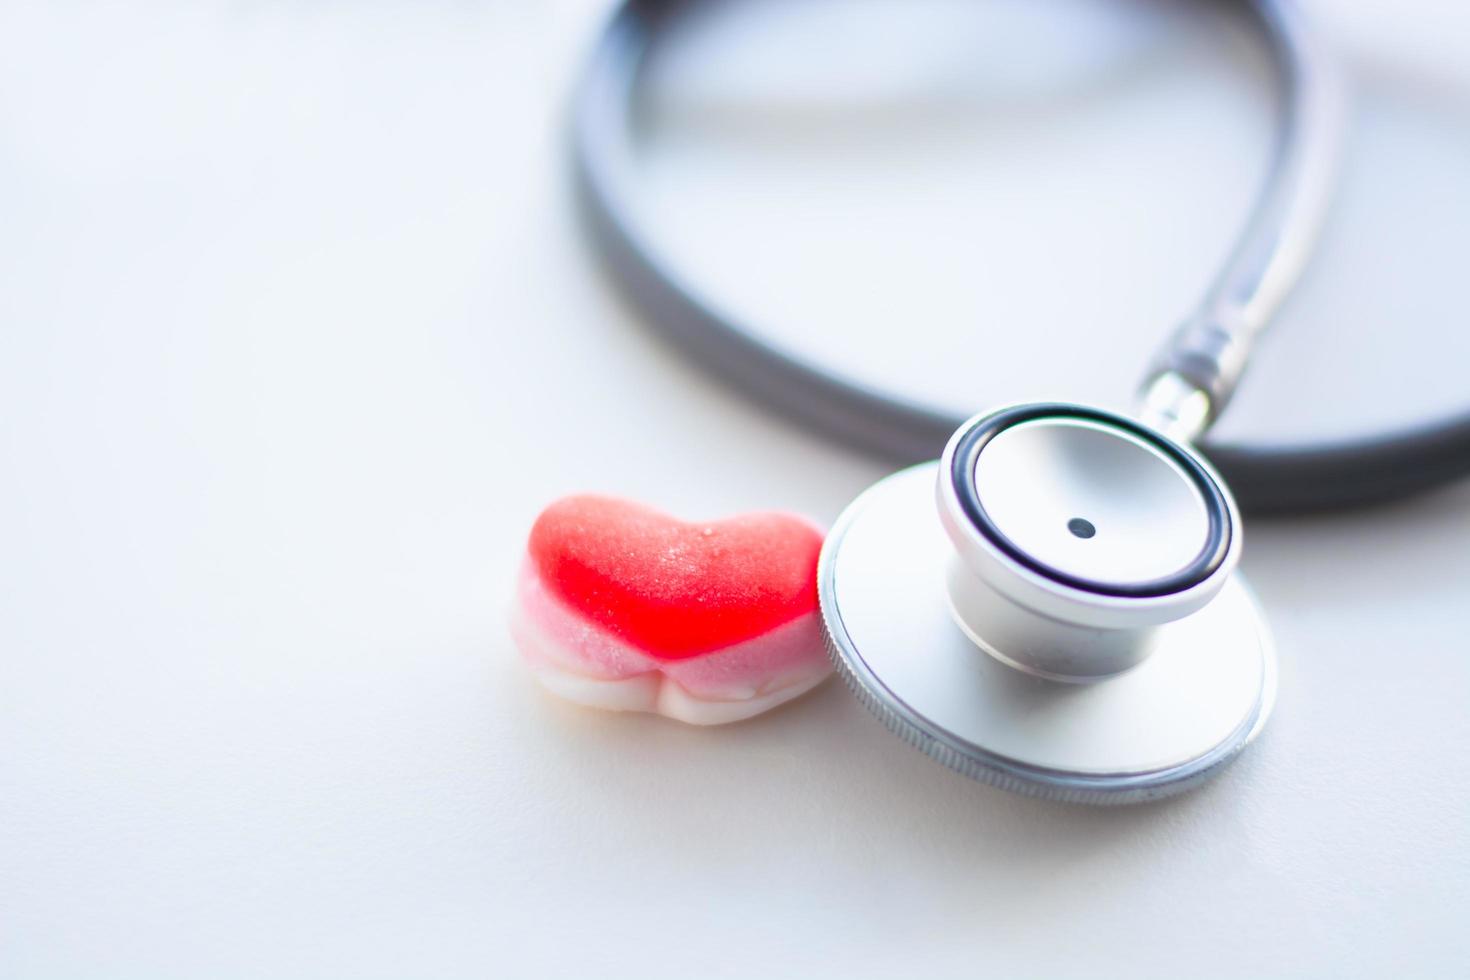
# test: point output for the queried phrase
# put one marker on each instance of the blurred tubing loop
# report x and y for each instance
(1189, 382)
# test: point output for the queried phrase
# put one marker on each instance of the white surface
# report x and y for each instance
(299, 334)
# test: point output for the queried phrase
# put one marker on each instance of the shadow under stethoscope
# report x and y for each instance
(822, 773)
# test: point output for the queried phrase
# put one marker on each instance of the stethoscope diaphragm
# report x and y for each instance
(1022, 674)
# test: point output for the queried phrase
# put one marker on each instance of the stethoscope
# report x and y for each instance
(1053, 606)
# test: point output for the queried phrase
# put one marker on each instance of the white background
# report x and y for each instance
(298, 333)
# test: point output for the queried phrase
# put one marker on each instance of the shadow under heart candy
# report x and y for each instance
(625, 608)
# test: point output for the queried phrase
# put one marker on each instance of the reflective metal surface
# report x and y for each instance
(1141, 515)
(1175, 406)
(1151, 731)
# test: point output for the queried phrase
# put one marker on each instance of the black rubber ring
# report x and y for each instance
(962, 477)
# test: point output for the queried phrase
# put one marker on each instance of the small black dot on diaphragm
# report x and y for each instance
(1081, 527)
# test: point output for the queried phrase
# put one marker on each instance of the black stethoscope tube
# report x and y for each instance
(1292, 478)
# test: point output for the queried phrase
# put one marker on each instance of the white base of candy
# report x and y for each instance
(581, 662)
(660, 695)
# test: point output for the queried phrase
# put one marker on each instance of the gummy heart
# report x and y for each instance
(622, 607)
(675, 589)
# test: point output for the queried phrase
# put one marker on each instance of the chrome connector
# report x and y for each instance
(1175, 406)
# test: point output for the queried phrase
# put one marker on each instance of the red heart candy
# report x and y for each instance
(675, 589)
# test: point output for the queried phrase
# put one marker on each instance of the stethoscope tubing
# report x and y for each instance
(1209, 350)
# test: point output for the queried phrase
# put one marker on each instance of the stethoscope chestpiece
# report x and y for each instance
(1076, 534)
(1067, 622)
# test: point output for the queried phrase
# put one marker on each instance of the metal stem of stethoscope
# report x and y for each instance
(1196, 371)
